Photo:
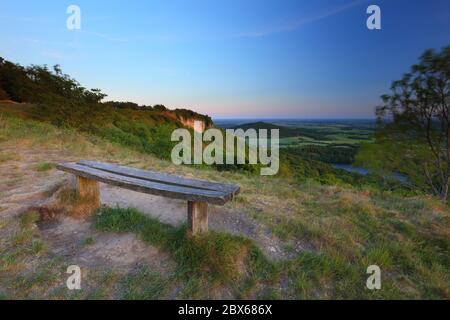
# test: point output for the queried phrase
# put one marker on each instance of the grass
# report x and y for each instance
(345, 232)
(89, 241)
(335, 268)
(28, 218)
(218, 257)
(144, 285)
(22, 246)
(72, 204)
(332, 232)
(143, 131)
(44, 166)
(4, 157)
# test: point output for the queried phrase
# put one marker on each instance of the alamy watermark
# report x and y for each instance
(73, 22)
(235, 153)
(374, 20)
(74, 280)
(374, 280)
(190, 149)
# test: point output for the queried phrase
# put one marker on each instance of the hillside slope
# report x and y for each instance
(278, 239)
(143, 130)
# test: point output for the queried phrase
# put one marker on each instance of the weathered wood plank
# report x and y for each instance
(162, 177)
(88, 189)
(146, 186)
(197, 217)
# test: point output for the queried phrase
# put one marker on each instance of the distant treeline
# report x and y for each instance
(180, 113)
(343, 154)
(285, 132)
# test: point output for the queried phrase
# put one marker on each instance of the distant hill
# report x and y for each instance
(285, 132)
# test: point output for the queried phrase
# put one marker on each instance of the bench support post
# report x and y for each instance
(197, 217)
(88, 190)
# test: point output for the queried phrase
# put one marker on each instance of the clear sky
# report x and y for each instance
(230, 58)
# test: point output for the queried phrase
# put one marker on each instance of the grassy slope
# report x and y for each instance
(142, 130)
(333, 232)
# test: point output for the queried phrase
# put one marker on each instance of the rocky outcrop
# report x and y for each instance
(196, 124)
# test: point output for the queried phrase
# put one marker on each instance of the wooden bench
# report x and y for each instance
(198, 193)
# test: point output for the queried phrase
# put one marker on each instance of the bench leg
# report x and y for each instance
(88, 190)
(197, 217)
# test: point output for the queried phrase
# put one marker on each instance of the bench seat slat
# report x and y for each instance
(162, 177)
(147, 186)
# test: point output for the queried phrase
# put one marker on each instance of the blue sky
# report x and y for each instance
(252, 58)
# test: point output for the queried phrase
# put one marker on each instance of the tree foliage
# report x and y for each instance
(35, 83)
(413, 134)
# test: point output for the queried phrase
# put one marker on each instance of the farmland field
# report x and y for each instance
(312, 132)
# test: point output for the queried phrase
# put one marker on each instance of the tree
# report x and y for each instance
(3, 95)
(159, 107)
(413, 134)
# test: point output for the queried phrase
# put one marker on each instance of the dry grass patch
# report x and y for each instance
(73, 205)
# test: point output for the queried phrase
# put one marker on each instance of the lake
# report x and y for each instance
(363, 171)
(350, 168)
